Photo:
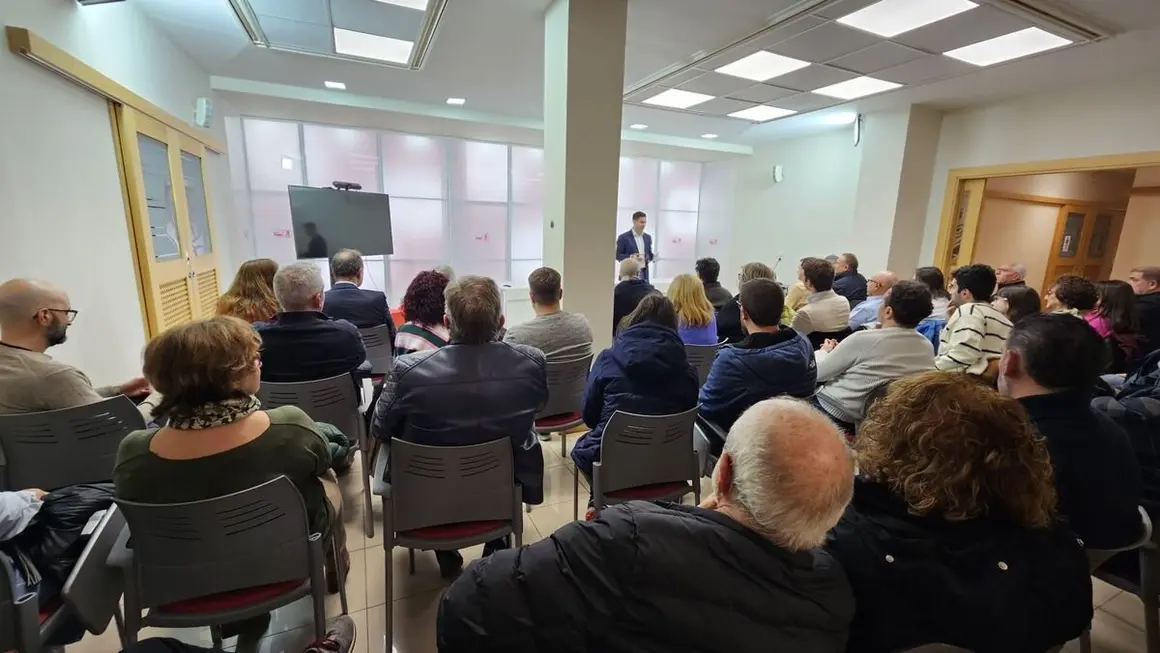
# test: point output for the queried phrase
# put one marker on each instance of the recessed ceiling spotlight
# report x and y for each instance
(287, 163)
(456, 101)
(421, 5)
(638, 127)
(893, 17)
(372, 46)
(762, 113)
(1007, 47)
(709, 136)
(761, 66)
(675, 98)
(856, 88)
(338, 86)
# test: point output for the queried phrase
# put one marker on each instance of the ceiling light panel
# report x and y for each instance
(709, 136)
(761, 66)
(456, 101)
(762, 113)
(638, 127)
(372, 46)
(338, 86)
(1007, 47)
(893, 17)
(856, 88)
(421, 5)
(675, 98)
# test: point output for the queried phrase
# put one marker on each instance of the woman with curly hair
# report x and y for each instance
(251, 295)
(951, 536)
(423, 307)
(1072, 294)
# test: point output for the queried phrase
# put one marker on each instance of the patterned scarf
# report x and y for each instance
(218, 413)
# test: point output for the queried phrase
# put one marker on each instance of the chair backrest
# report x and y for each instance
(566, 380)
(57, 448)
(433, 486)
(19, 626)
(380, 348)
(701, 358)
(181, 551)
(1097, 557)
(818, 338)
(331, 400)
(638, 450)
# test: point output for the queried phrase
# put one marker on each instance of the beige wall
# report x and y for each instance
(1141, 232)
(1016, 232)
(1111, 187)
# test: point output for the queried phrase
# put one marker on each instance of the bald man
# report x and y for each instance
(739, 573)
(876, 289)
(34, 316)
(1012, 274)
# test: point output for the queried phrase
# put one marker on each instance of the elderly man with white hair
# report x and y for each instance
(1011, 274)
(741, 572)
(301, 343)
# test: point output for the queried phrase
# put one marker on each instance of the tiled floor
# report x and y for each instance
(1117, 628)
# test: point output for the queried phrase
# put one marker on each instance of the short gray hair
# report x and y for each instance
(295, 285)
(629, 268)
(792, 471)
(447, 271)
(1019, 269)
(346, 263)
(474, 309)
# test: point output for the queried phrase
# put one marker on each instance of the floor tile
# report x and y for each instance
(558, 486)
(1127, 607)
(548, 518)
(1111, 635)
(414, 625)
(1102, 592)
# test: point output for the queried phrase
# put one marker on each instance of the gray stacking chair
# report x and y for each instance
(649, 457)
(380, 349)
(334, 401)
(1147, 548)
(445, 498)
(701, 359)
(567, 377)
(19, 617)
(58, 448)
(218, 561)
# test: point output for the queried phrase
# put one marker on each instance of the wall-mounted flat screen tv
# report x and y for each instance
(326, 220)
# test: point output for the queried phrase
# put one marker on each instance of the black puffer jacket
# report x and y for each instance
(649, 577)
(977, 584)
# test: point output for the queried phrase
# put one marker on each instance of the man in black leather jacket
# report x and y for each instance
(474, 390)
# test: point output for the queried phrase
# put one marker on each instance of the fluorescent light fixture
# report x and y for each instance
(421, 5)
(893, 17)
(456, 101)
(675, 98)
(761, 113)
(638, 127)
(761, 66)
(709, 136)
(287, 163)
(1007, 47)
(843, 118)
(856, 88)
(338, 86)
(372, 46)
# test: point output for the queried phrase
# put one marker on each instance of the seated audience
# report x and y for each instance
(1071, 294)
(975, 335)
(729, 326)
(645, 371)
(739, 573)
(1010, 275)
(628, 292)
(696, 321)
(347, 301)
(951, 535)
(1146, 283)
(217, 439)
(1136, 409)
(1114, 318)
(1017, 302)
(824, 311)
(933, 279)
(301, 343)
(772, 360)
(251, 294)
(1051, 365)
(423, 309)
(33, 317)
(876, 288)
(708, 271)
(850, 370)
(474, 390)
(447, 271)
(847, 282)
(796, 297)
(554, 331)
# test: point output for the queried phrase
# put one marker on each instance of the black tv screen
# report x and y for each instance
(327, 220)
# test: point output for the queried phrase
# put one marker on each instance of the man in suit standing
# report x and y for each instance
(635, 243)
(347, 301)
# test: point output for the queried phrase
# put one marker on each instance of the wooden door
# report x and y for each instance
(1085, 243)
(201, 252)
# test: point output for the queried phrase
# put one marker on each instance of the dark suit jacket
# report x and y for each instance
(626, 296)
(626, 247)
(362, 308)
(307, 346)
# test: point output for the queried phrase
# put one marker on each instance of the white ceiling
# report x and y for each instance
(491, 53)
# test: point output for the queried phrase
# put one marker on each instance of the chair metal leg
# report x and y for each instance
(318, 601)
(368, 505)
(1085, 642)
(215, 634)
(575, 494)
(389, 588)
(411, 561)
(528, 508)
(342, 585)
(1150, 594)
(564, 445)
(119, 620)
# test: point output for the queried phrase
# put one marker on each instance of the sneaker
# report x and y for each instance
(340, 637)
(544, 437)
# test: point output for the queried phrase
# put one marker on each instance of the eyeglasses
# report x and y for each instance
(70, 314)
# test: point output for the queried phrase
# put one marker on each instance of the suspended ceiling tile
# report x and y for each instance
(783, 32)
(926, 69)
(727, 57)
(716, 84)
(762, 93)
(979, 24)
(299, 36)
(877, 57)
(686, 76)
(302, 11)
(824, 43)
(378, 18)
(723, 106)
(811, 77)
(806, 102)
(843, 8)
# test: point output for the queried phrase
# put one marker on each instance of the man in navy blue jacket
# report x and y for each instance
(347, 301)
(772, 360)
(635, 243)
(847, 281)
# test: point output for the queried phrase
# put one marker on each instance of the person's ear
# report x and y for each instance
(318, 301)
(560, 295)
(502, 321)
(531, 297)
(447, 321)
(1009, 363)
(723, 477)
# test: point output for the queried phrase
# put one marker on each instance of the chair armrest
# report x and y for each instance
(121, 555)
(94, 588)
(380, 487)
(368, 393)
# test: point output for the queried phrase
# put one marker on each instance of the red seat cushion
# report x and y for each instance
(557, 420)
(454, 531)
(233, 600)
(46, 611)
(647, 492)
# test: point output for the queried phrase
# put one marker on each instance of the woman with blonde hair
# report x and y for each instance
(251, 295)
(951, 536)
(696, 319)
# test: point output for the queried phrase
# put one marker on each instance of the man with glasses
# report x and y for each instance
(33, 317)
(876, 289)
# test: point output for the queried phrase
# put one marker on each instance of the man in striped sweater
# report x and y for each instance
(976, 334)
